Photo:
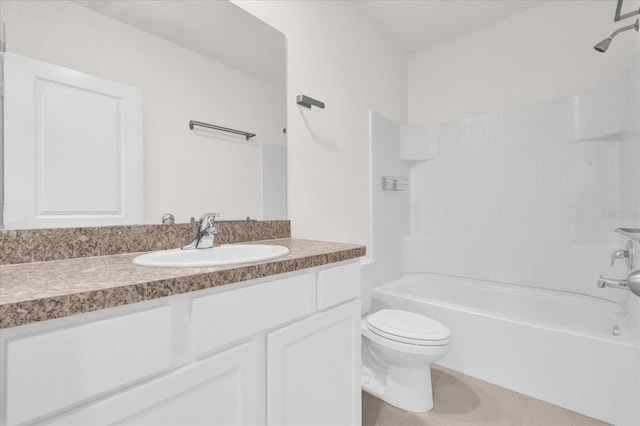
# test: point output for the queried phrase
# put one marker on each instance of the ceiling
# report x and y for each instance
(418, 24)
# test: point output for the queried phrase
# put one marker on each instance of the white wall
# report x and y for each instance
(541, 54)
(185, 173)
(334, 54)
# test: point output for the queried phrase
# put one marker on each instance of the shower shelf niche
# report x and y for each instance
(631, 233)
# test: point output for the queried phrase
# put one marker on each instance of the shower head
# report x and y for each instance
(604, 44)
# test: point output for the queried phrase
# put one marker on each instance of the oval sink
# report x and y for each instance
(227, 254)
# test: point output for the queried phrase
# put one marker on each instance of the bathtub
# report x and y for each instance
(572, 350)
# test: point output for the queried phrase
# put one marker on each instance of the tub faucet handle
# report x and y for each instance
(626, 254)
(618, 254)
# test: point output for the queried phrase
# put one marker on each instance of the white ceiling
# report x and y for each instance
(418, 24)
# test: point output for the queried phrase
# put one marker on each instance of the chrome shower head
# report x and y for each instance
(604, 44)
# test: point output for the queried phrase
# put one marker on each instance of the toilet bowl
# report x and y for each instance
(398, 348)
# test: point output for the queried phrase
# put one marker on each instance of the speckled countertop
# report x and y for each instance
(39, 291)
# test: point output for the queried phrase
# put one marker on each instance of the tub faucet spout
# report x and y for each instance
(613, 283)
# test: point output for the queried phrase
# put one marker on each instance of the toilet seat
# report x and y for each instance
(408, 327)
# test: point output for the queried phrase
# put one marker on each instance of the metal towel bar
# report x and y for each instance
(247, 135)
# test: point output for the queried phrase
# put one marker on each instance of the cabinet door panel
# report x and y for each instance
(313, 370)
(220, 390)
(49, 371)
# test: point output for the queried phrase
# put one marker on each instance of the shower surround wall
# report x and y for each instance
(525, 197)
(528, 196)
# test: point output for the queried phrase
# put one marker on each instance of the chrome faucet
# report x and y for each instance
(206, 233)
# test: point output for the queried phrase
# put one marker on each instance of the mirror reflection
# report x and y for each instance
(206, 61)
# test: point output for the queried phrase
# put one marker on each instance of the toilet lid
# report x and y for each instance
(407, 326)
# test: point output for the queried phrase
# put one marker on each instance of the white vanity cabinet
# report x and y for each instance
(278, 350)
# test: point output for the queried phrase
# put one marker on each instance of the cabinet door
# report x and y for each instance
(313, 370)
(220, 390)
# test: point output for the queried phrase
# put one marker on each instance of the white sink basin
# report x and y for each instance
(227, 254)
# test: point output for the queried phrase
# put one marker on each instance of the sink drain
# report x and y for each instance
(616, 330)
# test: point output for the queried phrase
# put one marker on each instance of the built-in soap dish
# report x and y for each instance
(631, 233)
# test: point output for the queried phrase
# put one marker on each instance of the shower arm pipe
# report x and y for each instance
(628, 27)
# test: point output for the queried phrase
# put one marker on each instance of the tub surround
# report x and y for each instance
(39, 245)
(40, 291)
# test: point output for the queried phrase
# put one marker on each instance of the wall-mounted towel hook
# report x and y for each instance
(306, 101)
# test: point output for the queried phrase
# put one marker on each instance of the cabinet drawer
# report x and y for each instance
(339, 284)
(222, 318)
(52, 370)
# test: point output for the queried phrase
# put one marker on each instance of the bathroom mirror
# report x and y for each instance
(206, 61)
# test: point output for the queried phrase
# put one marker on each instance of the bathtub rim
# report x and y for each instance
(630, 332)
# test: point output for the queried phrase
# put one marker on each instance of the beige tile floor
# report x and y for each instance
(463, 400)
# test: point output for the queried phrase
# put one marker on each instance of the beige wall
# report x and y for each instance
(541, 54)
(335, 55)
(184, 173)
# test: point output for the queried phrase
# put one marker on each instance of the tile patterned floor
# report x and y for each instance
(463, 400)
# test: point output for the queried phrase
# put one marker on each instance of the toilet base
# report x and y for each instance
(409, 389)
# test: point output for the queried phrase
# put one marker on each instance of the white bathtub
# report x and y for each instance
(555, 346)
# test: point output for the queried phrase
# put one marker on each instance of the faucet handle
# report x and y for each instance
(618, 254)
(626, 254)
(204, 217)
(214, 215)
(208, 219)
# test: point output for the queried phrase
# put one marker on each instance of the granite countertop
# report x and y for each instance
(39, 291)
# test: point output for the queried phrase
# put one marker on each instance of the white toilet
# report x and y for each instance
(398, 348)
